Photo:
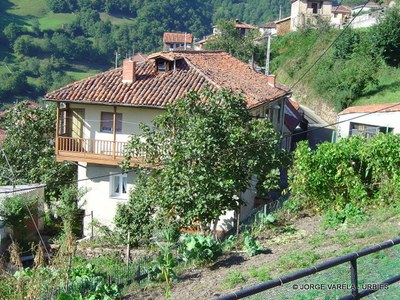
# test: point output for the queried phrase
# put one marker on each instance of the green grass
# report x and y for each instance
(262, 273)
(54, 21)
(80, 75)
(27, 8)
(387, 90)
(233, 279)
(300, 259)
(116, 19)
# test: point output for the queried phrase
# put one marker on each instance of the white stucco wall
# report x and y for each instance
(131, 118)
(382, 119)
(98, 198)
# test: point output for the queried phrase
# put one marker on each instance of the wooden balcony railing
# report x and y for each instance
(92, 146)
(91, 150)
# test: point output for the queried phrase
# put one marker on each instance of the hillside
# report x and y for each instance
(352, 72)
(45, 44)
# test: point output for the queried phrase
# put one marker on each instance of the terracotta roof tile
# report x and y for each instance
(341, 9)
(268, 25)
(194, 71)
(173, 37)
(389, 107)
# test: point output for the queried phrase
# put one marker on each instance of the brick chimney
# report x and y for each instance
(128, 71)
(271, 80)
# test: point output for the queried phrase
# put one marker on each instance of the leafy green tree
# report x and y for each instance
(61, 6)
(11, 32)
(29, 146)
(63, 45)
(12, 84)
(230, 40)
(346, 45)
(211, 150)
(387, 36)
(24, 45)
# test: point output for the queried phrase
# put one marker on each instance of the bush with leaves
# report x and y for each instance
(162, 269)
(352, 173)
(386, 36)
(14, 214)
(201, 180)
(200, 249)
(251, 245)
(68, 208)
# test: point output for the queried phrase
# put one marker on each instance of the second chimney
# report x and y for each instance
(128, 71)
(271, 80)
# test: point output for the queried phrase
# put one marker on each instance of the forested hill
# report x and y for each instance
(45, 44)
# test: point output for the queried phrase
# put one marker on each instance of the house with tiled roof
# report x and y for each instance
(267, 28)
(177, 40)
(308, 12)
(96, 115)
(340, 15)
(242, 27)
(368, 120)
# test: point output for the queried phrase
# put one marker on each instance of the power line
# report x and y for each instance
(329, 47)
(221, 152)
(13, 178)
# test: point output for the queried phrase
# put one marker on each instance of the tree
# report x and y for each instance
(24, 45)
(210, 148)
(230, 40)
(387, 36)
(29, 147)
(11, 32)
(12, 83)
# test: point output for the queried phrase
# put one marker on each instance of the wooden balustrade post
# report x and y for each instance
(114, 131)
(57, 127)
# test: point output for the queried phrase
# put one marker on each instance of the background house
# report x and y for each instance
(174, 40)
(368, 120)
(96, 116)
(242, 27)
(307, 12)
(268, 28)
(340, 15)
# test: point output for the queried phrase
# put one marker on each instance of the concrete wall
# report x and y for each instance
(383, 119)
(366, 20)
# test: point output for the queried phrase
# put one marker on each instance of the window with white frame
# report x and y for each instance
(119, 185)
(107, 121)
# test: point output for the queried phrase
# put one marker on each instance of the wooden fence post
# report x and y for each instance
(128, 250)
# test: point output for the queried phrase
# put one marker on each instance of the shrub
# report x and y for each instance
(251, 245)
(200, 249)
(14, 214)
(347, 176)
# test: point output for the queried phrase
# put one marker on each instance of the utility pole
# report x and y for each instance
(280, 12)
(116, 59)
(268, 51)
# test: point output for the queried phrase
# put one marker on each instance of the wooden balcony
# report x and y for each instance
(92, 151)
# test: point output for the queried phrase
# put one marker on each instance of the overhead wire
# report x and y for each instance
(329, 47)
(261, 142)
(221, 152)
